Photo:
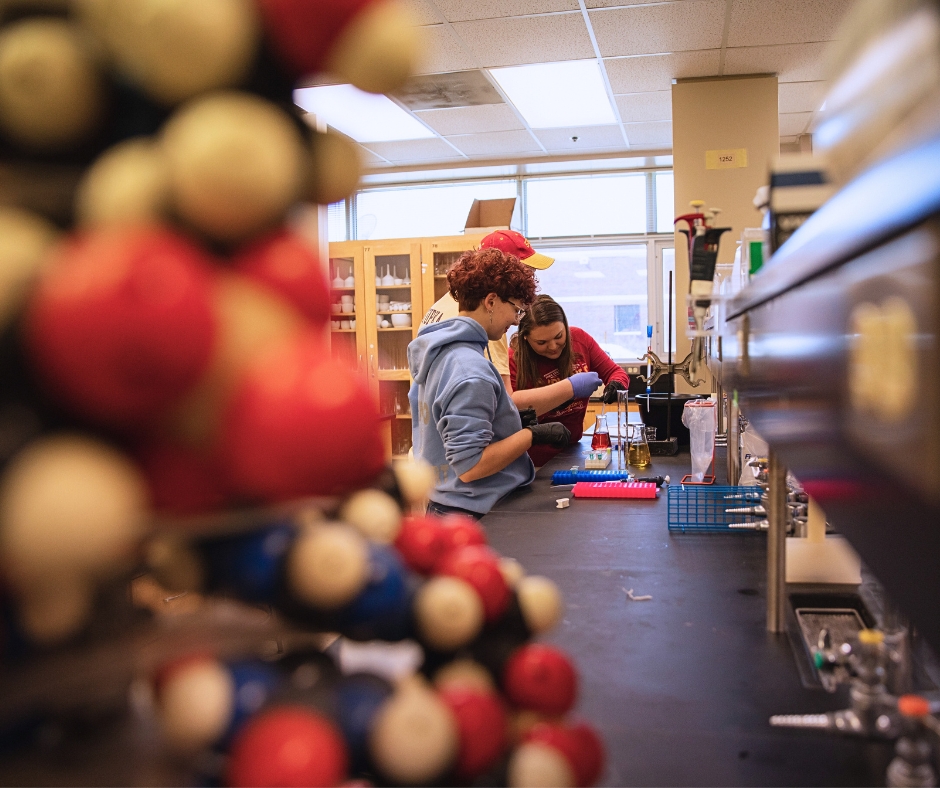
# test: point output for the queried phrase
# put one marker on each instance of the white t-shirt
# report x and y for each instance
(446, 308)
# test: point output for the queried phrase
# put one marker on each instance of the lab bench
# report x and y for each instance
(681, 686)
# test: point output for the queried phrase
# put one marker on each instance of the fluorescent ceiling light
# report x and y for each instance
(366, 117)
(557, 95)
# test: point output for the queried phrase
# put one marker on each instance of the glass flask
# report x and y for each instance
(639, 453)
(601, 439)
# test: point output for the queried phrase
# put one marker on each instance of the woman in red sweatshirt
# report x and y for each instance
(546, 354)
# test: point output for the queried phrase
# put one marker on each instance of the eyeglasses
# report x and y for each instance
(520, 310)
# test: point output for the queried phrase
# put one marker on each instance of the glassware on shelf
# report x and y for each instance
(350, 280)
(338, 281)
(388, 280)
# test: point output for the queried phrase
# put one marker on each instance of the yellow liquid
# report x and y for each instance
(639, 455)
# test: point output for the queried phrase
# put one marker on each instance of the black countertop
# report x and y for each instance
(681, 687)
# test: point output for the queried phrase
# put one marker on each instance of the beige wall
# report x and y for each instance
(731, 113)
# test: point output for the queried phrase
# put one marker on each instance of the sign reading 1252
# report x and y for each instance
(725, 159)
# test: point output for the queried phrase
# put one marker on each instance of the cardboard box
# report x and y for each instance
(488, 215)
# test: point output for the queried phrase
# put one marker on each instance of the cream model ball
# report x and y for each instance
(235, 162)
(335, 168)
(415, 479)
(511, 570)
(540, 602)
(127, 184)
(378, 50)
(448, 613)
(536, 765)
(25, 239)
(50, 90)
(176, 49)
(414, 737)
(195, 704)
(328, 566)
(464, 674)
(250, 318)
(69, 504)
(374, 514)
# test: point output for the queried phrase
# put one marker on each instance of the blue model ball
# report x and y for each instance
(383, 609)
(358, 698)
(255, 682)
(247, 566)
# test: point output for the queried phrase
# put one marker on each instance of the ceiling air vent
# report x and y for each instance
(452, 89)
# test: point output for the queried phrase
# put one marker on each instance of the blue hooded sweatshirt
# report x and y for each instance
(459, 406)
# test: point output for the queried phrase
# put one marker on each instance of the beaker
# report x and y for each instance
(601, 439)
(639, 452)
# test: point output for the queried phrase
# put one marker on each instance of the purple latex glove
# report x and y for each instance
(584, 383)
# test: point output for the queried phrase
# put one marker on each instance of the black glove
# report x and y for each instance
(553, 434)
(528, 417)
(610, 391)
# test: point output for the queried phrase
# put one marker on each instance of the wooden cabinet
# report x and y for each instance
(438, 255)
(388, 282)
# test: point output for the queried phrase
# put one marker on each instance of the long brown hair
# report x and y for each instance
(543, 312)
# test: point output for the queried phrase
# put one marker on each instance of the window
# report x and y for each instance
(336, 221)
(665, 202)
(586, 205)
(417, 211)
(627, 319)
(603, 290)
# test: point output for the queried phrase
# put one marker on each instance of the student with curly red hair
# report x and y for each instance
(464, 422)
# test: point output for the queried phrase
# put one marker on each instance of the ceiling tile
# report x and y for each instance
(794, 123)
(528, 39)
(450, 89)
(423, 12)
(462, 11)
(370, 159)
(790, 62)
(588, 138)
(414, 150)
(619, 3)
(443, 51)
(756, 22)
(641, 107)
(471, 120)
(646, 134)
(658, 28)
(496, 143)
(656, 72)
(800, 96)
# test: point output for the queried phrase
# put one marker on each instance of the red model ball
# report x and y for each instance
(304, 30)
(461, 531)
(287, 746)
(481, 721)
(421, 543)
(300, 424)
(182, 480)
(479, 566)
(287, 264)
(540, 678)
(579, 743)
(120, 325)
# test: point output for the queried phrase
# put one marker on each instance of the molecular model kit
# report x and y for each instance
(187, 538)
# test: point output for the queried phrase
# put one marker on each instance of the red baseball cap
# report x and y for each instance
(511, 242)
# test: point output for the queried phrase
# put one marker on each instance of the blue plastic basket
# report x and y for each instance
(695, 508)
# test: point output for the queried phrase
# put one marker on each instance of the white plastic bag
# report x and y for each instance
(701, 418)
